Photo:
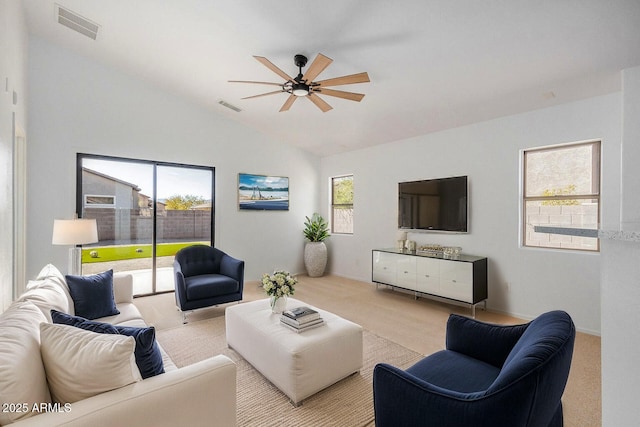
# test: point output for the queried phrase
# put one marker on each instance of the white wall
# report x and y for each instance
(621, 278)
(489, 153)
(13, 42)
(78, 105)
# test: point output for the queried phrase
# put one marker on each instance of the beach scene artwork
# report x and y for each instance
(263, 193)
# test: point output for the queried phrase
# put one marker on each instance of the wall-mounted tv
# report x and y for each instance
(434, 204)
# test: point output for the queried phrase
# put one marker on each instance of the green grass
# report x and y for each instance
(124, 252)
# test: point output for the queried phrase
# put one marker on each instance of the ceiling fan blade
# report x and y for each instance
(263, 94)
(317, 66)
(288, 103)
(264, 61)
(320, 103)
(351, 96)
(346, 80)
(259, 83)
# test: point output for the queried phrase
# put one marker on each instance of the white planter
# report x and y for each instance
(315, 258)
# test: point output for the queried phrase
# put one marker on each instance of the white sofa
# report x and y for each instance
(202, 394)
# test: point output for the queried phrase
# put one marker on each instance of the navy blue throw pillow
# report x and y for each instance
(93, 295)
(82, 323)
(147, 352)
(148, 356)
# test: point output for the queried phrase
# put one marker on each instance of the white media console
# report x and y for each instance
(462, 279)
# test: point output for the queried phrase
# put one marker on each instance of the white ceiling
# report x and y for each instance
(433, 64)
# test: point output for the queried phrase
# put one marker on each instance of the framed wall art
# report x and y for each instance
(263, 193)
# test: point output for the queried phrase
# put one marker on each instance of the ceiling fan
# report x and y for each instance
(304, 84)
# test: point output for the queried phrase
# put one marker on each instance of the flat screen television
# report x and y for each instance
(434, 204)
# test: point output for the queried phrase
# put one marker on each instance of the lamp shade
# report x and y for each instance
(74, 231)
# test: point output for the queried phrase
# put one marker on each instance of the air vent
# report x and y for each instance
(232, 107)
(76, 22)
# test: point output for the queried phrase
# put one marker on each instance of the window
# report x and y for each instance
(145, 211)
(342, 204)
(97, 201)
(561, 188)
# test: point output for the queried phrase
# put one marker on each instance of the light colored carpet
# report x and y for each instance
(346, 403)
(418, 325)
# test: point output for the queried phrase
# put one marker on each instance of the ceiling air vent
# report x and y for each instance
(232, 107)
(76, 22)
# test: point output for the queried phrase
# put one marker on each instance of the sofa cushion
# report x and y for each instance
(147, 352)
(46, 295)
(443, 369)
(22, 376)
(93, 295)
(80, 364)
(52, 274)
(210, 285)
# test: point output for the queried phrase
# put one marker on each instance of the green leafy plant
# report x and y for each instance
(315, 228)
(183, 202)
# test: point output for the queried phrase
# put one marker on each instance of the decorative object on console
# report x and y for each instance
(74, 232)
(315, 251)
(278, 286)
(402, 236)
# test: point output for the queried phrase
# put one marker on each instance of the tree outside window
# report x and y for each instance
(342, 204)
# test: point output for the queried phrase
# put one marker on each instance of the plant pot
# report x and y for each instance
(315, 258)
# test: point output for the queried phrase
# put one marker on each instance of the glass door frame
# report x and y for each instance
(155, 164)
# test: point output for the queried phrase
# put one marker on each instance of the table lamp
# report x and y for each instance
(74, 232)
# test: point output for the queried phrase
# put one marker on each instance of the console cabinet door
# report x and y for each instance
(428, 275)
(456, 280)
(406, 272)
(384, 267)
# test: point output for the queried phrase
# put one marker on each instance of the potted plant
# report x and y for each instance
(315, 251)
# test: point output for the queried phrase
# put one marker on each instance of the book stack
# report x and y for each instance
(301, 319)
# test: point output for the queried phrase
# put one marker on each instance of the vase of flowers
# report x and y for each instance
(278, 286)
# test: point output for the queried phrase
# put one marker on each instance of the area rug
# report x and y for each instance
(259, 403)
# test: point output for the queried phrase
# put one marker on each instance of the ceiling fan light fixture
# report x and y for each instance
(300, 89)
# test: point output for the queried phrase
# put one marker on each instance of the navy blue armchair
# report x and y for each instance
(206, 276)
(489, 375)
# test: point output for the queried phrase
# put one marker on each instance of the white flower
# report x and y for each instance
(279, 283)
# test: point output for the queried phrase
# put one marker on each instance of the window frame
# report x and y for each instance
(334, 206)
(596, 167)
(88, 205)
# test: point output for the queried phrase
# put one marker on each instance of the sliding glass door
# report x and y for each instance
(146, 211)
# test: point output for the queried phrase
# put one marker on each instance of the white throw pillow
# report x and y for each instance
(22, 376)
(80, 364)
(46, 295)
(50, 272)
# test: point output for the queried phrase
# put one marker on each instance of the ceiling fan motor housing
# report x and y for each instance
(300, 60)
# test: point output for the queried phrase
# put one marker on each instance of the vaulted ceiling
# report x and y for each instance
(433, 64)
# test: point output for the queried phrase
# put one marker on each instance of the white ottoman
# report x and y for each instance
(299, 364)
